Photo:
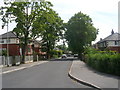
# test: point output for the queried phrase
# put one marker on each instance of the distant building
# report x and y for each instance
(112, 42)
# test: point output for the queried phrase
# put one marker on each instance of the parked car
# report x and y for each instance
(76, 55)
(68, 55)
(64, 56)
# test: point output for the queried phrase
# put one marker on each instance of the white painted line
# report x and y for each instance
(22, 67)
(13, 70)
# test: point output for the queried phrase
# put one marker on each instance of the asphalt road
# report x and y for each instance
(53, 74)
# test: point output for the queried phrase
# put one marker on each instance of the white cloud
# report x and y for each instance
(104, 13)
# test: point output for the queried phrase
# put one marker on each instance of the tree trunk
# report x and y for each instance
(26, 33)
(34, 55)
(24, 46)
(48, 51)
(79, 56)
(23, 54)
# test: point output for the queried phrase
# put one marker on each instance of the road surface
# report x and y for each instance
(53, 74)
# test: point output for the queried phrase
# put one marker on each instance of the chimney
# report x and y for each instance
(100, 39)
(112, 32)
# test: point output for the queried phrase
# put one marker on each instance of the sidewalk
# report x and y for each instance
(20, 67)
(80, 72)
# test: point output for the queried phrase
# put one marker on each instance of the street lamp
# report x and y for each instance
(6, 22)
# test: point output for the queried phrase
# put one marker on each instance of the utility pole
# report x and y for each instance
(6, 20)
(8, 60)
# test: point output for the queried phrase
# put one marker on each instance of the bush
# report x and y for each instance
(56, 53)
(104, 61)
(3, 53)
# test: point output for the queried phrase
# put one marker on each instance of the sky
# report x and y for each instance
(104, 13)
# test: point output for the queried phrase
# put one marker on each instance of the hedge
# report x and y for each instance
(108, 62)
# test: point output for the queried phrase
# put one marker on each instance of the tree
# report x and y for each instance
(27, 18)
(62, 47)
(52, 33)
(80, 32)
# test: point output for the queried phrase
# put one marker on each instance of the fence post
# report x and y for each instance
(37, 58)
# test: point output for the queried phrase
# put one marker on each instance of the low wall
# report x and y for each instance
(5, 61)
(13, 60)
(28, 59)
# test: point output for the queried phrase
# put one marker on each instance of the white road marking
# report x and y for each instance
(13, 70)
(22, 68)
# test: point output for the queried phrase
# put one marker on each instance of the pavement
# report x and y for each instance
(82, 73)
(20, 67)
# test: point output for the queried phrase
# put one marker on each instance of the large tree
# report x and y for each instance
(80, 32)
(29, 17)
(53, 31)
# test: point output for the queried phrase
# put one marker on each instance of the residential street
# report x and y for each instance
(53, 74)
(60, 44)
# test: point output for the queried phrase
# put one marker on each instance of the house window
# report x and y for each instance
(116, 42)
(8, 40)
(2, 41)
(119, 43)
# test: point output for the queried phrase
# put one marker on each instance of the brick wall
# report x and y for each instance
(117, 48)
(13, 49)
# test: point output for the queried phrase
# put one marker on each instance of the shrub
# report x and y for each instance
(3, 53)
(104, 61)
(56, 53)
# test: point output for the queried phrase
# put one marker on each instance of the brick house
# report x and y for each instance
(112, 42)
(11, 41)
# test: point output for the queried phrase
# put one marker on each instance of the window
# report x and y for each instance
(116, 42)
(8, 40)
(1, 41)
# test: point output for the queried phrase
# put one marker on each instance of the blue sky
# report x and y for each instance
(104, 13)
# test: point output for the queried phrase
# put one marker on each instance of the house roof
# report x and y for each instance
(112, 37)
(9, 35)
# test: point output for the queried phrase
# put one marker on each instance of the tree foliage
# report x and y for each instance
(52, 32)
(34, 20)
(80, 32)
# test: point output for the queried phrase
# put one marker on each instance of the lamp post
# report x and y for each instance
(7, 44)
(6, 19)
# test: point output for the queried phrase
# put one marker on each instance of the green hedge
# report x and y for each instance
(104, 61)
(56, 53)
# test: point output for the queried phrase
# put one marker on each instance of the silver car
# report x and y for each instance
(64, 56)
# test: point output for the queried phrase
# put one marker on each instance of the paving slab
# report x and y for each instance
(82, 72)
